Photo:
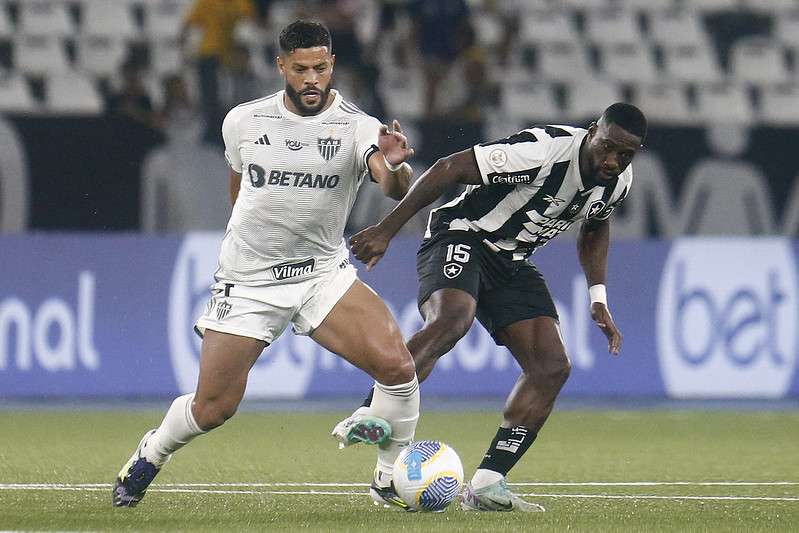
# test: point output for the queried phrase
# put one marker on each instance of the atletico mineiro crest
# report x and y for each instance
(328, 147)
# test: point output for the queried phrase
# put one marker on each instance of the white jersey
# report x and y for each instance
(300, 177)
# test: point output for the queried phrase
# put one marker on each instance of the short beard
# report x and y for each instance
(304, 110)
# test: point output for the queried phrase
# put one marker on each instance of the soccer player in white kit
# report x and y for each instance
(296, 158)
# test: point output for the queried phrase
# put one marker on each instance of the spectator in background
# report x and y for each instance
(213, 23)
(436, 27)
(131, 100)
(241, 83)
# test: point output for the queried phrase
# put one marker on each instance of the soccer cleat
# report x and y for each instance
(361, 427)
(134, 478)
(387, 496)
(495, 497)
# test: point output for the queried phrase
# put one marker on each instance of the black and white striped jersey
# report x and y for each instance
(531, 192)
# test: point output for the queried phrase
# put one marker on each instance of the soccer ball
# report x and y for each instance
(428, 475)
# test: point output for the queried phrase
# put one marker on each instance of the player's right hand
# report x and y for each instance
(369, 246)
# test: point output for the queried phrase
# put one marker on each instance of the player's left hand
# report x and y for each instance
(601, 315)
(393, 144)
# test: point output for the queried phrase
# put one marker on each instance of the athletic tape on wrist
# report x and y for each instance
(598, 293)
(392, 168)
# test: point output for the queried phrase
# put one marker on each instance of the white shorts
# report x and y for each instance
(263, 313)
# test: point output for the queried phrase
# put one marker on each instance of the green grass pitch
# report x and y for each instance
(594, 471)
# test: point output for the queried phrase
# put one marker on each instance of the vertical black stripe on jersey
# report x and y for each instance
(552, 184)
(474, 205)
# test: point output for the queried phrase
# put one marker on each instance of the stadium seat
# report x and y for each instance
(163, 19)
(769, 7)
(108, 18)
(786, 28)
(49, 18)
(712, 6)
(403, 91)
(7, 28)
(99, 56)
(690, 63)
(758, 60)
(488, 28)
(547, 26)
(166, 56)
(37, 55)
(529, 101)
(15, 94)
(665, 103)
(563, 61)
(628, 63)
(612, 26)
(676, 27)
(72, 93)
(724, 102)
(587, 98)
(645, 6)
(779, 105)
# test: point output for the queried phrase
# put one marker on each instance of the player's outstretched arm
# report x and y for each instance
(370, 245)
(593, 243)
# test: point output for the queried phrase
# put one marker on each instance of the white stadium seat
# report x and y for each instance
(724, 102)
(49, 18)
(677, 27)
(563, 61)
(586, 99)
(15, 94)
(99, 56)
(529, 101)
(108, 18)
(779, 105)
(163, 19)
(544, 26)
(618, 26)
(72, 92)
(39, 55)
(628, 63)
(759, 60)
(664, 103)
(690, 63)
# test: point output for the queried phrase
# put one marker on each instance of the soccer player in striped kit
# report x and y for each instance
(521, 192)
(297, 159)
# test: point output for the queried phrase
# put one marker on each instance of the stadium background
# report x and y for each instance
(110, 222)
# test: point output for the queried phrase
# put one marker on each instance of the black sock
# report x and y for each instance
(507, 448)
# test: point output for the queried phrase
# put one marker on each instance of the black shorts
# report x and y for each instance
(506, 291)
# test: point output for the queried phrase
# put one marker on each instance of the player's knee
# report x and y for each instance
(397, 372)
(557, 369)
(214, 413)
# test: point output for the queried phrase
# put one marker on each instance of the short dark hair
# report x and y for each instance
(304, 34)
(628, 117)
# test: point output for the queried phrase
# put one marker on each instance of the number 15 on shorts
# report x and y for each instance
(458, 253)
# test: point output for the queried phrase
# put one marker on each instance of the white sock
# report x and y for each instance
(399, 406)
(177, 429)
(483, 478)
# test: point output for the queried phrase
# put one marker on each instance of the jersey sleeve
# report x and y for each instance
(366, 139)
(516, 159)
(230, 136)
